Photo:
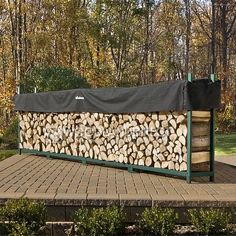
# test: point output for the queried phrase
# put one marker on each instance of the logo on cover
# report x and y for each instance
(79, 98)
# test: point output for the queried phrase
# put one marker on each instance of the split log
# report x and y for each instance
(140, 162)
(141, 118)
(200, 141)
(173, 137)
(201, 116)
(125, 159)
(164, 140)
(142, 147)
(180, 119)
(164, 123)
(183, 166)
(157, 123)
(162, 148)
(140, 154)
(204, 166)
(161, 131)
(173, 123)
(161, 157)
(177, 166)
(121, 158)
(146, 140)
(154, 158)
(157, 165)
(164, 164)
(154, 116)
(150, 147)
(139, 141)
(171, 165)
(162, 116)
(152, 126)
(131, 160)
(148, 152)
(182, 140)
(148, 161)
(169, 148)
(200, 129)
(197, 119)
(199, 157)
(179, 132)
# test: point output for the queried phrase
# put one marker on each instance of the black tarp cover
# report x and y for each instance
(164, 96)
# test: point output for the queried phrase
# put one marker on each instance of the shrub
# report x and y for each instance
(209, 222)
(10, 135)
(22, 217)
(158, 221)
(82, 221)
(46, 78)
(100, 222)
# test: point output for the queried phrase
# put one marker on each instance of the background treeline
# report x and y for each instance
(116, 43)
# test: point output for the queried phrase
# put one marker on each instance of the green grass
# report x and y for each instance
(225, 144)
(7, 153)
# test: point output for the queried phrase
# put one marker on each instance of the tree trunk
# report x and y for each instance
(213, 37)
(188, 31)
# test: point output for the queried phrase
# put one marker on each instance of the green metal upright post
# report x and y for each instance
(18, 133)
(212, 137)
(18, 128)
(189, 139)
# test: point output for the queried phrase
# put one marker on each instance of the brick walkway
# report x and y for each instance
(67, 183)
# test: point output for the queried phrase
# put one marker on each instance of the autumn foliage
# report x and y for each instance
(117, 43)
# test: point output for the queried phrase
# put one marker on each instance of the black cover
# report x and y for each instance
(164, 96)
(203, 95)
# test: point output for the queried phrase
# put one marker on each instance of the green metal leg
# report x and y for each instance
(18, 136)
(189, 141)
(189, 179)
(189, 148)
(130, 169)
(212, 138)
(84, 162)
(212, 178)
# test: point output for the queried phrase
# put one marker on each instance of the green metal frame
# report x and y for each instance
(18, 127)
(211, 172)
(130, 167)
(212, 137)
(85, 160)
(189, 139)
(187, 174)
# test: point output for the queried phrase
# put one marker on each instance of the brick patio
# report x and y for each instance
(65, 185)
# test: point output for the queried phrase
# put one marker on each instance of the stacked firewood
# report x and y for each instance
(147, 139)
(200, 140)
